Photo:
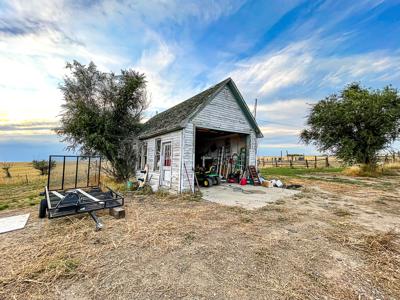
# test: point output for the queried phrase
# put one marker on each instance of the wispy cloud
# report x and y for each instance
(287, 55)
(25, 128)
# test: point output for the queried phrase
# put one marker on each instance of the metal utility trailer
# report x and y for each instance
(73, 187)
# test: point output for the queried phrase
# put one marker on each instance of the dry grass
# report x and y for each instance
(388, 241)
(21, 173)
(366, 171)
(182, 247)
(361, 171)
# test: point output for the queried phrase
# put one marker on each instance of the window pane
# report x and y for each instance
(157, 153)
(167, 155)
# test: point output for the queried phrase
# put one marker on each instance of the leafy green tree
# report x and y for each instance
(356, 124)
(43, 166)
(102, 114)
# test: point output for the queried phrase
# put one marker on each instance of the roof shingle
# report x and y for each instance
(173, 118)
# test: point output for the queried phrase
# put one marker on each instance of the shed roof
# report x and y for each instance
(177, 116)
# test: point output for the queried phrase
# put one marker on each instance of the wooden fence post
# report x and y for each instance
(315, 162)
(307, 163)
(276, 162)
(326, 162)
(291, 163)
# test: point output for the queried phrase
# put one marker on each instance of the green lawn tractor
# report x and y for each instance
(208, 178)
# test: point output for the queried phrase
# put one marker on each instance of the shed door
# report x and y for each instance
(166, 169)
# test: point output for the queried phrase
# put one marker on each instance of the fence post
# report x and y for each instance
(26, 176)
(291, 163)
(307, 163)
(276, 162)
(326, 162)
(315, 162)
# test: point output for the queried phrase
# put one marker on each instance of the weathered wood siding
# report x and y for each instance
(188, 148)
(223, 113)
(176, 142)
(252, 149)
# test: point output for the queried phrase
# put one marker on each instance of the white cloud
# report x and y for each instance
(279, 146)
(288, 110)
(278, 131)
(268, 72)
(38, 37)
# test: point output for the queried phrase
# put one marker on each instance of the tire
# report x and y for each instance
(218, 180)
(207, 182)
(43, 208)
(214, 180)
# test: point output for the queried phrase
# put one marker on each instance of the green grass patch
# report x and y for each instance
(20, 195)
(296, 172)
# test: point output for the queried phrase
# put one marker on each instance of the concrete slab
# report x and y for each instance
(13, 223)
(247, 196)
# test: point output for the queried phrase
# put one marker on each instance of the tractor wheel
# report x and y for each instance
(214, 180)
(207, 182)
(43, 208)
(218, 180)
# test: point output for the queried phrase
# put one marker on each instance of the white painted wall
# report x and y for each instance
(175, 139)
(222, 113)
(188, 138)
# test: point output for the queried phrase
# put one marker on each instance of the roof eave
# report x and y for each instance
(158, 133)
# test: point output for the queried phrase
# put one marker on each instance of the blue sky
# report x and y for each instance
(287, 54)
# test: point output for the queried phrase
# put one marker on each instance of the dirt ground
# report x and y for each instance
(337, 239)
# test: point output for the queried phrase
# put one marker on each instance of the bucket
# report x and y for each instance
(129, 185)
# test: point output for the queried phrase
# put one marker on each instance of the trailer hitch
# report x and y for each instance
(96, 219)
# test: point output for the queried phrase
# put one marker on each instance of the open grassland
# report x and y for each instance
(21, 172)
(23, 188)
(26, 183)
(337, 239)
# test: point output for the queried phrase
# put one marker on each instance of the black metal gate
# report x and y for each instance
(73, 171)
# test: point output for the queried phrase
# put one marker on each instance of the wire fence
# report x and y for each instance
(297, 162)
(22, 179)
(315, 162)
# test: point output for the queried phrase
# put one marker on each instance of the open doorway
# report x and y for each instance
(220, 155)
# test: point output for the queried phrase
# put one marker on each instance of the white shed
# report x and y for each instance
(210, 127)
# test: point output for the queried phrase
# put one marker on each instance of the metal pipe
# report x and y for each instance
(98, 181)
(48, 173)
(88, 173)
(63, 174)
(76, 171)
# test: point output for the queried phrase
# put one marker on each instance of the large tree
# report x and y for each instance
(356, 124)
(102, 114)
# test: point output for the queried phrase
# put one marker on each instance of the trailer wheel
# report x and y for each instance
(218, 180)
(43, 208)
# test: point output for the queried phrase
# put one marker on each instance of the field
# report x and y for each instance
(337, 239)
(23, 188)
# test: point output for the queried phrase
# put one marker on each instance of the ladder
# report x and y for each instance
(253, 175)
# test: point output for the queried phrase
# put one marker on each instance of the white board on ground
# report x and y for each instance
(13, 223)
